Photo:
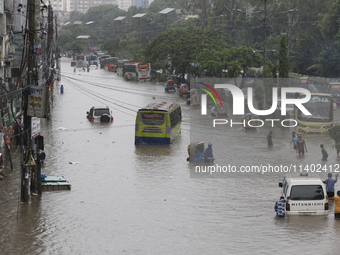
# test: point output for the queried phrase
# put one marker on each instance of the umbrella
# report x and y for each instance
(248, 114)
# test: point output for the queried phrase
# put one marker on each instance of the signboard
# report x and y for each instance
(35, 127)
(8, 134)
(37, 102)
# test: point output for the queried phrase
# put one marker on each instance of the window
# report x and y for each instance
(152, 118)
(175, 117)
(307, 192)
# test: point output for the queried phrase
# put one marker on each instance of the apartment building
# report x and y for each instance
(84, 5)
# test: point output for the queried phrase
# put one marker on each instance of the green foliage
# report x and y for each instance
(312, 28)
(334, 134)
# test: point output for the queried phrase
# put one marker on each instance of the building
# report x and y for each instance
(141, 3)
(84, 5)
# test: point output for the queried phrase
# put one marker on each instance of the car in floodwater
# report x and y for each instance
(100, 115)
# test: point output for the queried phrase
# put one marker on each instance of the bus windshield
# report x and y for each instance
(143, 67)
(320, 107)
(152, 118)
(335, 90)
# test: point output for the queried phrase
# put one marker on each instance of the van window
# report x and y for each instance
(307, 192)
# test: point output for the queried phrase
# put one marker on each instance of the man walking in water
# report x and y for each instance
(301, 146)
(270, 138)
(330, 184)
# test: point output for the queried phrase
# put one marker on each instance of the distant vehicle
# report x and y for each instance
(305, 195)
(334, 88)
(321, 107)
(137, 71)
(169, 85)
(81, 61)
(100, 115)
(109, 63)
(196, 151)
(158, 123)
(183, 90)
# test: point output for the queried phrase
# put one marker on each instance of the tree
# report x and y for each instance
(179, 48)
(334, 133)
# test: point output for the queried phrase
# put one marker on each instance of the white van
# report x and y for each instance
(306, 195)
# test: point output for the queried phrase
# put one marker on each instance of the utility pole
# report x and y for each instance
(27, 162)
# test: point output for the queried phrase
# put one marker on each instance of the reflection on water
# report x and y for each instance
(128, 199)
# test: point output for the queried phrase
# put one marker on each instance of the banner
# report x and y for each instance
(37, 101)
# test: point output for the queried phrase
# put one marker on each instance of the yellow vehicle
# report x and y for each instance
(321, 107)
(158, 123)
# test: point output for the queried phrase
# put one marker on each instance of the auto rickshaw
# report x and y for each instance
(183, 90)
(195, 151)
(194, 99)
(169, 86)
(219, 110)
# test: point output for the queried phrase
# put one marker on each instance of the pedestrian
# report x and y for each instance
(336, 205)
(294, 140)
(62, 89)
(330, 184)
(208, 153)
(301, 146)
(280, 207)
(324, 152)
(270, 138)
(74, 69)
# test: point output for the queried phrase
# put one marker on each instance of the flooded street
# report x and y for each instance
(128, 199)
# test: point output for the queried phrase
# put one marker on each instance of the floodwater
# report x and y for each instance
(128, 199)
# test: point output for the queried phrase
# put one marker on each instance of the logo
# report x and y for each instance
(238, 103)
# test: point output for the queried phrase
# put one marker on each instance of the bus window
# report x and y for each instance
(152, 118)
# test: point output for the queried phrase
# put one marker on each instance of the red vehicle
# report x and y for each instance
(183, 90)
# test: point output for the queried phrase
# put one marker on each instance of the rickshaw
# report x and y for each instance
(169, 86)
(194, 99)
(219, 110)
(195, 151)
(183, 90)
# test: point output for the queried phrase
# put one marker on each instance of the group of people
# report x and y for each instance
(88, 69)
(299, 144)
(280, 205)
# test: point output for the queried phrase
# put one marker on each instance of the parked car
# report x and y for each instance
(100, 114)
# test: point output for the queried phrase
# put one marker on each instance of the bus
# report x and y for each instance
(109, 63)
(321, 107)
(334, 89)
(138, 71)
(81, 61)
(158, 123)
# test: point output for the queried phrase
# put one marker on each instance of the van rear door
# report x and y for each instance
(308, 199)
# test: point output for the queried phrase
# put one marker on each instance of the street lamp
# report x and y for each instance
(120, 18)
(166, 11)
(264, 14)
(139, 15)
